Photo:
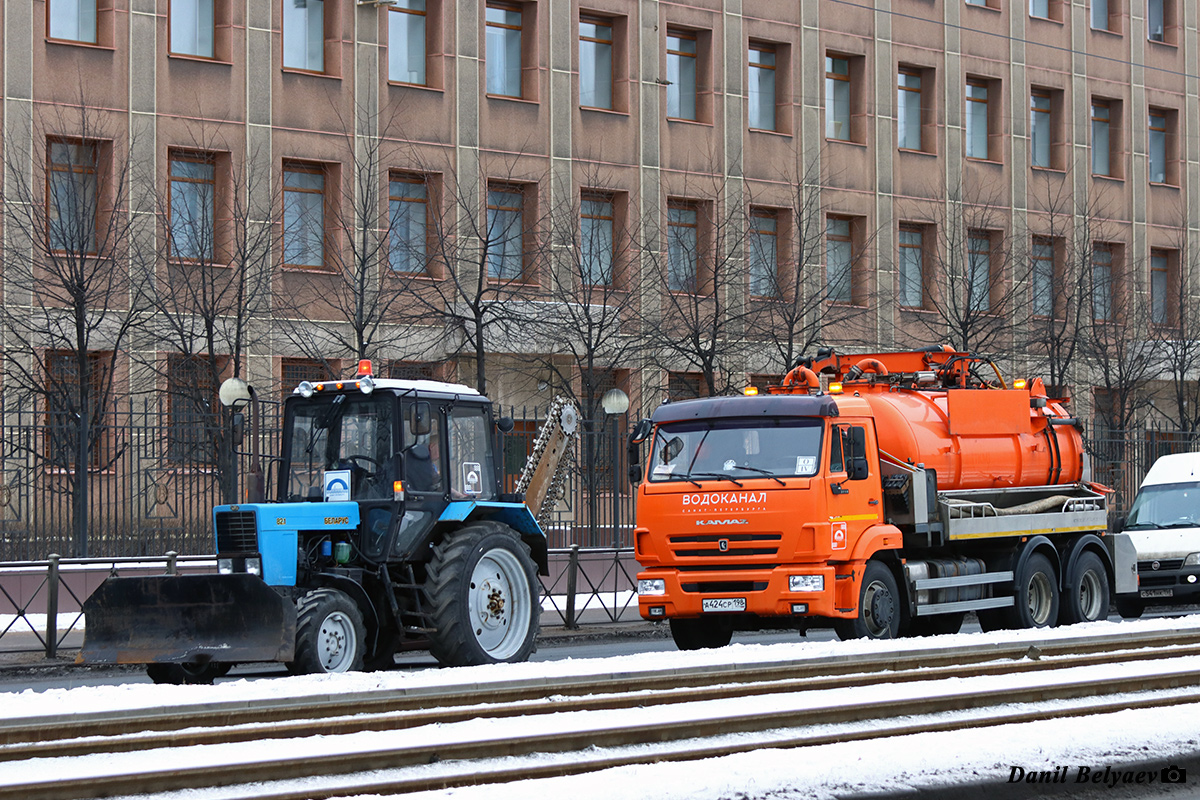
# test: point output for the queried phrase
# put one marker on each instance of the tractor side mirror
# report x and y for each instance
(238, 429)
(505, 425)
(859, 468)
(419, 421)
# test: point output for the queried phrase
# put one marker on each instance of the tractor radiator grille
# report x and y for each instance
(237, 532)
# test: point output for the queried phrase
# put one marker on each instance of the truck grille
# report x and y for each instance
(237, 532)
(736, 544)
(724, 587)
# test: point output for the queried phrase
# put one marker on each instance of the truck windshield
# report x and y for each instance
(1171, 505)
(353, 434)
(736, 449)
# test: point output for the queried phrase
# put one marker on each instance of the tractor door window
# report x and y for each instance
(472, 473)
(423, 467)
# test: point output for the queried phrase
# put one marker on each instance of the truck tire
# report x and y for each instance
(330, 635)
(1085, 598)
(878, 607)
(704, 633)
(188, 674)
(937, 625)
(1036, 597)
(484, 595)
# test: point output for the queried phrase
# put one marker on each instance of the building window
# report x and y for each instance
(1160, 288)
(912, 267)
(764, 253)
(1040, 133)
(1158, 157)
(72, 196)
(406, 42)
(192, 28)
(303, 215)
(1039, 8)
(408, 218)
(193, 179)
(837, 98)
(684, 385)
(62, 407)
(1100, 17)
(683, 247)
(1101, 144)
(504, 50)
(979, 271)
(304, 35)
(682, 58)
(72, 20)
(192, 416)
(294, 371)
(978, 120)
(596, 238)
(505, 233)
(1043, 276)
(595, 63)
(1102, 282)
(839, 259)
(412, 370)
(908, 110)
(762, 86)
(1156, 21)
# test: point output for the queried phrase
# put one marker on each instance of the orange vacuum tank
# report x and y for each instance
(976, 438)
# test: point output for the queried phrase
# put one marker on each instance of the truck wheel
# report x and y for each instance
(937, 625)
(330, 635)
(483, 589)
(878, 607)
(188, 674)
(1036, 600)
(1086, 594)
(1130, 607)
(701, 634)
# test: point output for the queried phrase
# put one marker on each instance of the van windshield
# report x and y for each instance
(736, 449)
(1171, 505)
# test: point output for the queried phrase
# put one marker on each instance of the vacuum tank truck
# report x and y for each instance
(913, 488)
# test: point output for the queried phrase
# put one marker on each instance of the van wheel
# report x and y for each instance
(330, 635)
(485, 597)
(701, 634)
(1086, 594)
(878, 607)
(1130, 607)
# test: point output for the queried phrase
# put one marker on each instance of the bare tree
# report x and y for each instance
(75, 272)
(1177, 328)
(216, 217)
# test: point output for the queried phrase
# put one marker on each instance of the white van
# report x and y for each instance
(1164, 525)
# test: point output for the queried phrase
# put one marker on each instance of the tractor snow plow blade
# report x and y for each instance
(187, 619)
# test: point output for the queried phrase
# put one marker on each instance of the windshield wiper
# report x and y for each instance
(719, 475)
(760, 471)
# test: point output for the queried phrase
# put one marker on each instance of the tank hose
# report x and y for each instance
(802, 374)
(872, 364)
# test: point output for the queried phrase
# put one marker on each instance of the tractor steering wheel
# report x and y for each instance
(369, 460)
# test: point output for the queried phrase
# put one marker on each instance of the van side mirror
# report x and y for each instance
(419, 422)
(858, 467)
(1118, 524)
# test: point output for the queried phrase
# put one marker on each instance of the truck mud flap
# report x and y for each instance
(187, 619)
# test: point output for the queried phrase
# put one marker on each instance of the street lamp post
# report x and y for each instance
(615, 403)
(235, 394)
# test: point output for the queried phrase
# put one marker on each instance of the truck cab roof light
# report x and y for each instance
(835, 387)
(750, 391)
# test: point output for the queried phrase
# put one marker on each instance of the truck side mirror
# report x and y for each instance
(237, 430)
(858, 469)
(419, 423)
(641, 432)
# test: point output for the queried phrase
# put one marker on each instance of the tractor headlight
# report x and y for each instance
(225, 566)
(305, 389)
(652, 586)
(806, 583)
(1193, 560)
(254, 566)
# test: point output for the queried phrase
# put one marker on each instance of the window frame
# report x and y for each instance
(848, 240)
(771, 262)
(586, 18)
(99, 363)
(1041, 120)
(490, 57)
(979, 299)
(1167, 130)
(426, 201)
(74, 168)
(98, 21)
(988, 115)
(683, 35)
(674, 208)
(904, 95)
(394, 12)
(587, 196)
(192, 157)
(1163, 264)
(212, 24)
(1107, 122)
(1109, 297)
(1045, 292)
(493, 206)
(919, 249)
(767, 70)
(832, 80)
(307, 168)
(328, 9)
(183, 434)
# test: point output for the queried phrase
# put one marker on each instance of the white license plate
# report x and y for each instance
(723, 604)
(1158, 592)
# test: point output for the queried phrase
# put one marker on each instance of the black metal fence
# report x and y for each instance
(1121, 459)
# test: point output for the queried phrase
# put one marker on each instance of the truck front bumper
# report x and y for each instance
(760, 592)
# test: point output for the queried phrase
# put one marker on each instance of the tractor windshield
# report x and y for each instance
(351, 434)
(736, 449)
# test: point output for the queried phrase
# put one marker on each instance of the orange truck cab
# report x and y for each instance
(912, 488)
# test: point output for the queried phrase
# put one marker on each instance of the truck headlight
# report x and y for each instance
(1193, 560)
(806, 583)
(653, 586)
(225, 566)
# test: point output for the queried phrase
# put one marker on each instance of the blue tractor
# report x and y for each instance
(391, 531)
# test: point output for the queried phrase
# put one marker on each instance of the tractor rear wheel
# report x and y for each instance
(485, 597)
(330, 635)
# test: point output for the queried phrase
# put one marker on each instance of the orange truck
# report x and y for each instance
(884, 494)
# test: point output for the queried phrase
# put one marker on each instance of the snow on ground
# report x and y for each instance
(816, 772)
